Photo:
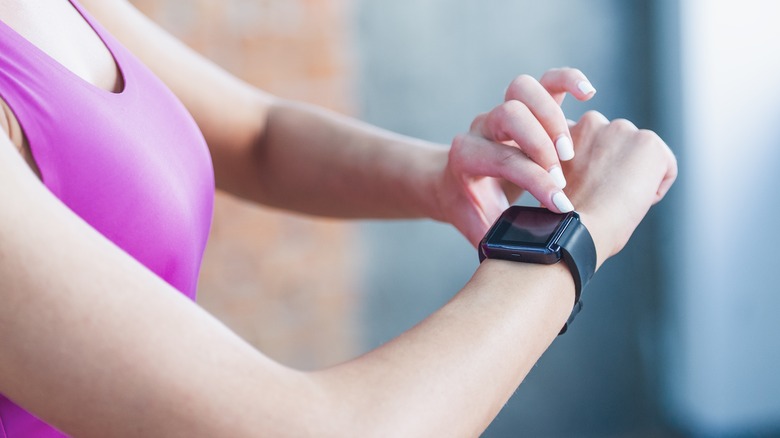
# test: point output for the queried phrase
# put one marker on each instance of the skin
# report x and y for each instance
(102, 347)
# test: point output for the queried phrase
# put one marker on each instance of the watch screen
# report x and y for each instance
(532, 227)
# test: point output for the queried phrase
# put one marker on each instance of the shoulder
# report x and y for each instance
(205, 88)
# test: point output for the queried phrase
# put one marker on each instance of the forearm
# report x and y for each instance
(133, 357)
(314, 161)
(451, 374)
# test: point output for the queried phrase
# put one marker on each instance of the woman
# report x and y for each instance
(107, 184)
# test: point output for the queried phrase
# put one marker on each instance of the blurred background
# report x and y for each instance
(678, 335)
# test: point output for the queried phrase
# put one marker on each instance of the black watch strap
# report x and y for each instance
(579, 253)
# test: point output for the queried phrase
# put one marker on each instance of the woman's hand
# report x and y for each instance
(519, 145)
(619, 173)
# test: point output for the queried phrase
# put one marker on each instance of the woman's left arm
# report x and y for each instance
(300, 157)
(277, 152)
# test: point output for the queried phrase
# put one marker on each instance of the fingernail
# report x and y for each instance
(562, 202)
(565, 148)
(557, 174)
(586, 87)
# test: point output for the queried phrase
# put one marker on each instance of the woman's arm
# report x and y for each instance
(97, 345)
(277, 152)
(299, 157)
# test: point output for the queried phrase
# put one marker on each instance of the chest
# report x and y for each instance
(132, 164)
(59, 31)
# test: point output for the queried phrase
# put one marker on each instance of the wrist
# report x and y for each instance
(409, 169)
(552, 283)
(433, 182)
(539, 236)
(599, 232)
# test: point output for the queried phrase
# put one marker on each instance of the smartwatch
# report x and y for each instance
(538, 235)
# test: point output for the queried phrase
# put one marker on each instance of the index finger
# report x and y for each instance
(546, 110)
(514, 121)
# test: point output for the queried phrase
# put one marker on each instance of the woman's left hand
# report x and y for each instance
(517, 146)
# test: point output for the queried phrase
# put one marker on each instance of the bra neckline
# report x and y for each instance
(50, 60)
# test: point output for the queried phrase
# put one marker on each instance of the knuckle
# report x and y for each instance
(623, 124)
(652, 139)
(623, 127)
(514, 106)
(457, 155)
(510, 109)
(550, 75)
(457, 142)
(592, 114)
(478, 121)
(519, 83)
(524, 79)
(646, 135)
(500, 123)
(591, 117)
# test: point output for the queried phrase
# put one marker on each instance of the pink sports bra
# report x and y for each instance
(132, 164)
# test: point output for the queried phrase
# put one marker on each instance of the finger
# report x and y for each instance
(477, 156)
(666, 184)
(483, 209)
(514, 121)
(560, 81)
(546, 110)
(669, 177)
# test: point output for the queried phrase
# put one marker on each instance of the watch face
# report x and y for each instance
(526, 234)
(526, 227)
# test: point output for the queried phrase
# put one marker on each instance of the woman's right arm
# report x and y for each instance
(97, 345)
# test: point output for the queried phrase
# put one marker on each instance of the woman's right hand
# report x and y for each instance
(617, 174)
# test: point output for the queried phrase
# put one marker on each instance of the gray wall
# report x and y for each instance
(723, 348)
(427, 67)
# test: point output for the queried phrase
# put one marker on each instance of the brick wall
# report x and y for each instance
(284, 283)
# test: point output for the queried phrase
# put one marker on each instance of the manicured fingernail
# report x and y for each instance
(586, 87)
(557, 174)
(562, 202)
(564, 147)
